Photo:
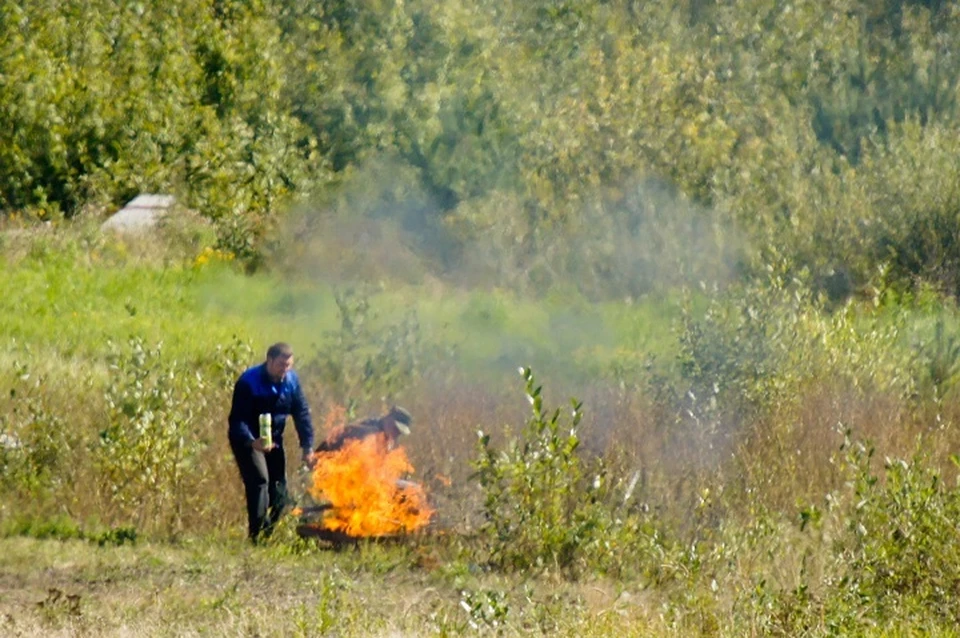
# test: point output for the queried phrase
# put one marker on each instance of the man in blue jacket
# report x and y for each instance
(269, 388)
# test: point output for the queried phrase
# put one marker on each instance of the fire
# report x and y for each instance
(362, 482)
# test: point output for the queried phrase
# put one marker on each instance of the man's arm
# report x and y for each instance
(240, 409)
(300, 411)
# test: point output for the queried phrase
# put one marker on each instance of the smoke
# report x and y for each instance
(627, 242)
(494, 288)
(589, 305)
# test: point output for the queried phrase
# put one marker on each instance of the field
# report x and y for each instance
(203, 588)
(669, 288)
(782, 471)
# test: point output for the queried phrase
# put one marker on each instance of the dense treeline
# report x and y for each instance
(619, 144)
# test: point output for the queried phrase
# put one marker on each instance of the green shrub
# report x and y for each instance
(62, 528)
(532, 490)
(757, 346)
(56, 527)
(147, 453)
(899, 557)
(40, 447)
(884, 554)
(546, 507)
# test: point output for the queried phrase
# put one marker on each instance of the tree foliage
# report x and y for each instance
(819, 134)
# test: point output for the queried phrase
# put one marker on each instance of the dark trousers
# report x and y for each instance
(265, 483)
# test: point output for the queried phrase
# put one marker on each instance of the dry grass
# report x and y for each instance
(784, 460)
(229, 589)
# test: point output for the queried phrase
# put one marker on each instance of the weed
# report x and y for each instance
(900, 552)
(486, 609)
(546, 507)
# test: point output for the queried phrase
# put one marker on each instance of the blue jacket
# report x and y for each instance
(255, 393)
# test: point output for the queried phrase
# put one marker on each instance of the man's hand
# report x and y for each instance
(309, 458)
(260, 447)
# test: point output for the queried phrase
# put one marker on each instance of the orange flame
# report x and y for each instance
(362, 482)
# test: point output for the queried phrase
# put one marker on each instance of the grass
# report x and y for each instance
(224, 587)
(721, 485)
(68, 303)
(228, 588)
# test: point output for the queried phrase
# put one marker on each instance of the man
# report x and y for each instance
(390, 427)
(269, 388)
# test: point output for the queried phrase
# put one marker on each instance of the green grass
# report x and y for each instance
(69, 304)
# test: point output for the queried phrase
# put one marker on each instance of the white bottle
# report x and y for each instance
(266, 430)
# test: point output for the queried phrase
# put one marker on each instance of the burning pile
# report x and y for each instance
(367, 497)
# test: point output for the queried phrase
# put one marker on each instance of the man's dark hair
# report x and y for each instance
(279, 349)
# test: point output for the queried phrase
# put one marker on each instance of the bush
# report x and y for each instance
(532, 491)
(148, 451)
(900, 557)
(39, 446)
(545, 507)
